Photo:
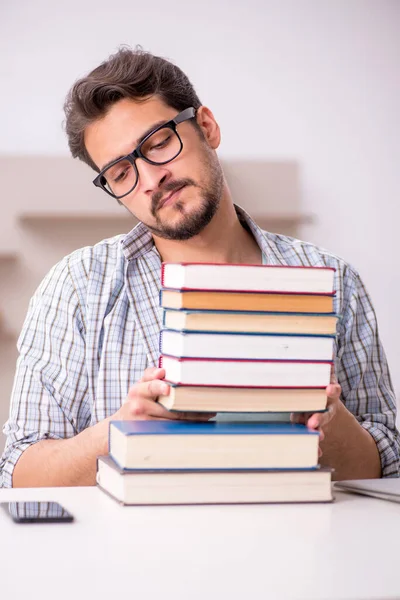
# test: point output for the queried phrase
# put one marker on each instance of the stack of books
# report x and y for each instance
(247, 338)
(172, 462)
(235, 338)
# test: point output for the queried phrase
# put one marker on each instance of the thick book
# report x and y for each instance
(212, 487)
(252, 400)
(256, 322)
(213, 344)
(212, 445)
(247, 301)
(246, 373)
(383, 489)
(239, 277)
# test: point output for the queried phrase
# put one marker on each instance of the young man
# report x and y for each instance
(89, 346)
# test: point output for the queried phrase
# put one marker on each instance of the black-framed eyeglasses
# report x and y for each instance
(159, 147)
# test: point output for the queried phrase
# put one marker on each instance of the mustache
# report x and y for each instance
(171, 186)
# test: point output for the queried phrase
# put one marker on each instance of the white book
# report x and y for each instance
(212, 487)
(246, 373)
(216, 276)
(245, 345)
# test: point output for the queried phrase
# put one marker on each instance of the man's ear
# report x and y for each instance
(208, 125)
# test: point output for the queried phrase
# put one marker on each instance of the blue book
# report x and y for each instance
(213, 445)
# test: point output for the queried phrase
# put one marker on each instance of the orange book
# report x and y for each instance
(246, 301)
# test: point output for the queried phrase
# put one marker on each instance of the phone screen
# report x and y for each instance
(37, 512)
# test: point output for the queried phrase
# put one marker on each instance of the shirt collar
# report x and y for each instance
(139, 240)
(260, 236)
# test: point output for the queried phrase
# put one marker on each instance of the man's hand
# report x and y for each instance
(318, 421)
(141, 403)
(72, 461)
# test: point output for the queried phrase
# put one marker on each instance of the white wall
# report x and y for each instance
(315, 81)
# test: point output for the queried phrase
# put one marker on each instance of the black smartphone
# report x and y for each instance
(37, 512)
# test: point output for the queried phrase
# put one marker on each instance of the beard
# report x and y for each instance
(191, 223)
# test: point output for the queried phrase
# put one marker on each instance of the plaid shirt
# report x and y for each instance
(93, 327)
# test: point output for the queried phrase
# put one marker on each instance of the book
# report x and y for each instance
(246, 373)
(247, 301)
(232, 399)
(239, 277)
(212, 487)
(261, 322)
(211, 344)
(383, 489)
(212, 445)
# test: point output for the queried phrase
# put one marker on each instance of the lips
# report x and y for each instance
(167, 198)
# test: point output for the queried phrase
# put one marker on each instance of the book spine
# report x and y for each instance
(162, 273)
(249, 360)
(188, 264)
(220, 311)
(213, 332)
(244, 387)
(182, 290)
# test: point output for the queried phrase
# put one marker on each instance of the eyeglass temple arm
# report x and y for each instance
(188, 113)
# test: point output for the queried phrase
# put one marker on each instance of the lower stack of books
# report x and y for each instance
(172, 462)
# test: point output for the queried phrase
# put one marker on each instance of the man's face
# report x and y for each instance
(176, 200)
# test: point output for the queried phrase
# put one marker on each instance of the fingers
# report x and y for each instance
(140, 408)
(300, 418)
(193, 416)
(153, 373)
(317, 420)
(333, 378)
(142, 397)
(142, 400)
(312, 420)
(149, 389)
(333, 391)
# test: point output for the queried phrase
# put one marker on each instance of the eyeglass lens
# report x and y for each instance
(161, 147)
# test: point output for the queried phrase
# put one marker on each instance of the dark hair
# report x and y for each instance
(128, 73)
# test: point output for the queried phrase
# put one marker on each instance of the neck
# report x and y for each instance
(224, 240)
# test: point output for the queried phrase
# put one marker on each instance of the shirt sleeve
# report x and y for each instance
(50, 392)
(362, 371)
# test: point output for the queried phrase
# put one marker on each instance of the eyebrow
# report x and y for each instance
(137, 142)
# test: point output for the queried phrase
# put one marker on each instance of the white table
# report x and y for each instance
(348, 549)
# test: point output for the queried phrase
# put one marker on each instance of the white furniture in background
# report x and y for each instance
(344, 550)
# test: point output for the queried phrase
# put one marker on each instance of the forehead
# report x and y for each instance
(117, 133)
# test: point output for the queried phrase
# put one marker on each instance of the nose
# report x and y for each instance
(151, 177)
